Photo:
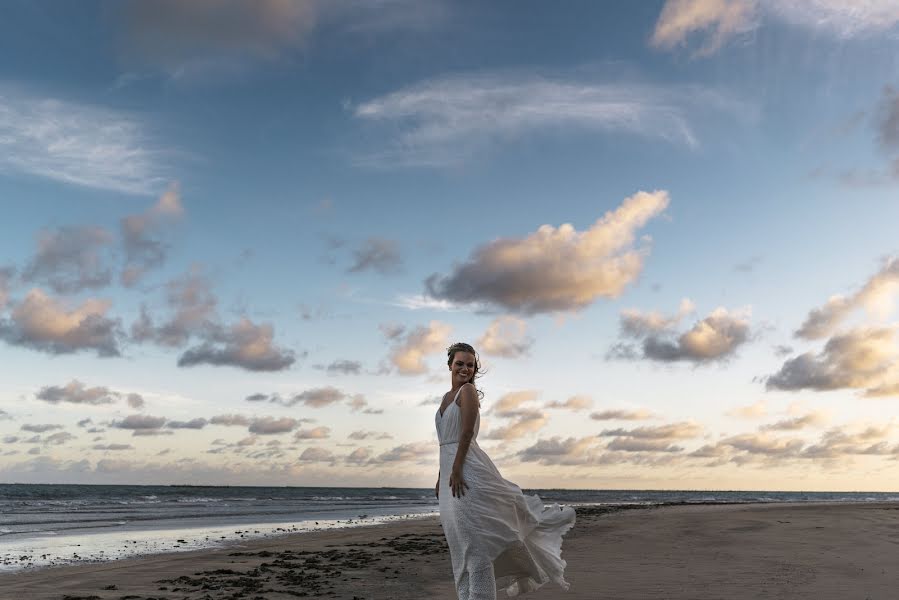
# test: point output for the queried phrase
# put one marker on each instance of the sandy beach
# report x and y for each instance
(832, 551)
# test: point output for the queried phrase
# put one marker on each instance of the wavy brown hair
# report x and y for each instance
(478, 372)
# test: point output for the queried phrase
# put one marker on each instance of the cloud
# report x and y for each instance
(715, 337)
(578, 402)
(245, 345)
(71, 259)
(198, 423)
(618, 414)
(272, 425)
(316, 433)
(555, 269)
(764, 444)
(139, 422)
(506, 336)
(143, 250)
(315, 454)
(510, 404)
(43, 323)
(363, 435)
(35, 428)
(409, 351)
(6, 274)
(175, 34)
(230, 420)
(135, 401)
(5, 416)
(59, 438)
(419, 452)
(877, 295)
(313, 398)
(718, 21)
(557, 451)
(836, 443)
(359, 456)
(196, 37)
(863, 358)
(887, 119)
(377, 254)
(448, 121)
(812, 419)
(342, 367)
(672, 431)
(751, 411)
(192, 303)
(525, 422)
(638, 325)
(76, 144)
(112, 447)
(75, 392)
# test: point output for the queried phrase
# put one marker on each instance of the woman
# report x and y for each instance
(496, 534)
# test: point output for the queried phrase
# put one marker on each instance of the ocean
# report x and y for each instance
(46, 525)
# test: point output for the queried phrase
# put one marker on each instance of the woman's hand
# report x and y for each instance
(457, 484)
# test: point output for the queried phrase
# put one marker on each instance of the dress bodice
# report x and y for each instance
(449, 425)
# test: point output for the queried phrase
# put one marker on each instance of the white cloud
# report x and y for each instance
(448, 121)
(507, 337)
(77, 144)
(556, 269)
(43, 323)
(408, 355)
(715, 22)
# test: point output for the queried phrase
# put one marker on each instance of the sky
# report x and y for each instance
(237, 238)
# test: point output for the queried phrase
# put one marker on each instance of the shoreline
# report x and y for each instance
(826, 551)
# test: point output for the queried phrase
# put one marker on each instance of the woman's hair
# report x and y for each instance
(463, 347)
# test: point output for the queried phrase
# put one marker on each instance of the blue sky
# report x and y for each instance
(238, 237)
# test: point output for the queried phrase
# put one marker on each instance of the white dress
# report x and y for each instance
(497, 536)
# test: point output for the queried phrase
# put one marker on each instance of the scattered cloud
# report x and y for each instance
(410, 348)
(71, 259)
(751, 411)
(272, 425)
(316, 433)
(525, 421)
(139, 422)
(812, 419)
(76, 392)
(507, 337)
(77, 144)
(555, 269)
(37, 428)
(719, 19)
(364, 435)
(863, 358)
(315, 454)
(714, 338)
(112, 447)
(143, 249)
(557, 451)
(198, 423)
(511, 403)
(619, 414)
(244, 344)
(418, 452)
(448, 121)
(715, 22)
(43, 323)
(578, 402)
(342, 367)
(193, 313)
(877, 295)
(377, 254)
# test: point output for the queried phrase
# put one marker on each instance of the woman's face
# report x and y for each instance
(462, 367)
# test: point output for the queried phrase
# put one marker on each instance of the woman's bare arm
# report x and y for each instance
(468, 404)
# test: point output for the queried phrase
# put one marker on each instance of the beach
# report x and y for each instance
(733, 551)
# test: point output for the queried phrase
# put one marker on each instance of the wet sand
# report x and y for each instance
(692, 552)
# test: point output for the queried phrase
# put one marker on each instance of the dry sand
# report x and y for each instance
(733, 552)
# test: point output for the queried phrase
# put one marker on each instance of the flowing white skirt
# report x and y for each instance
(494, 521)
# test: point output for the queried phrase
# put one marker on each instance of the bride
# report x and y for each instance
(497, 536)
